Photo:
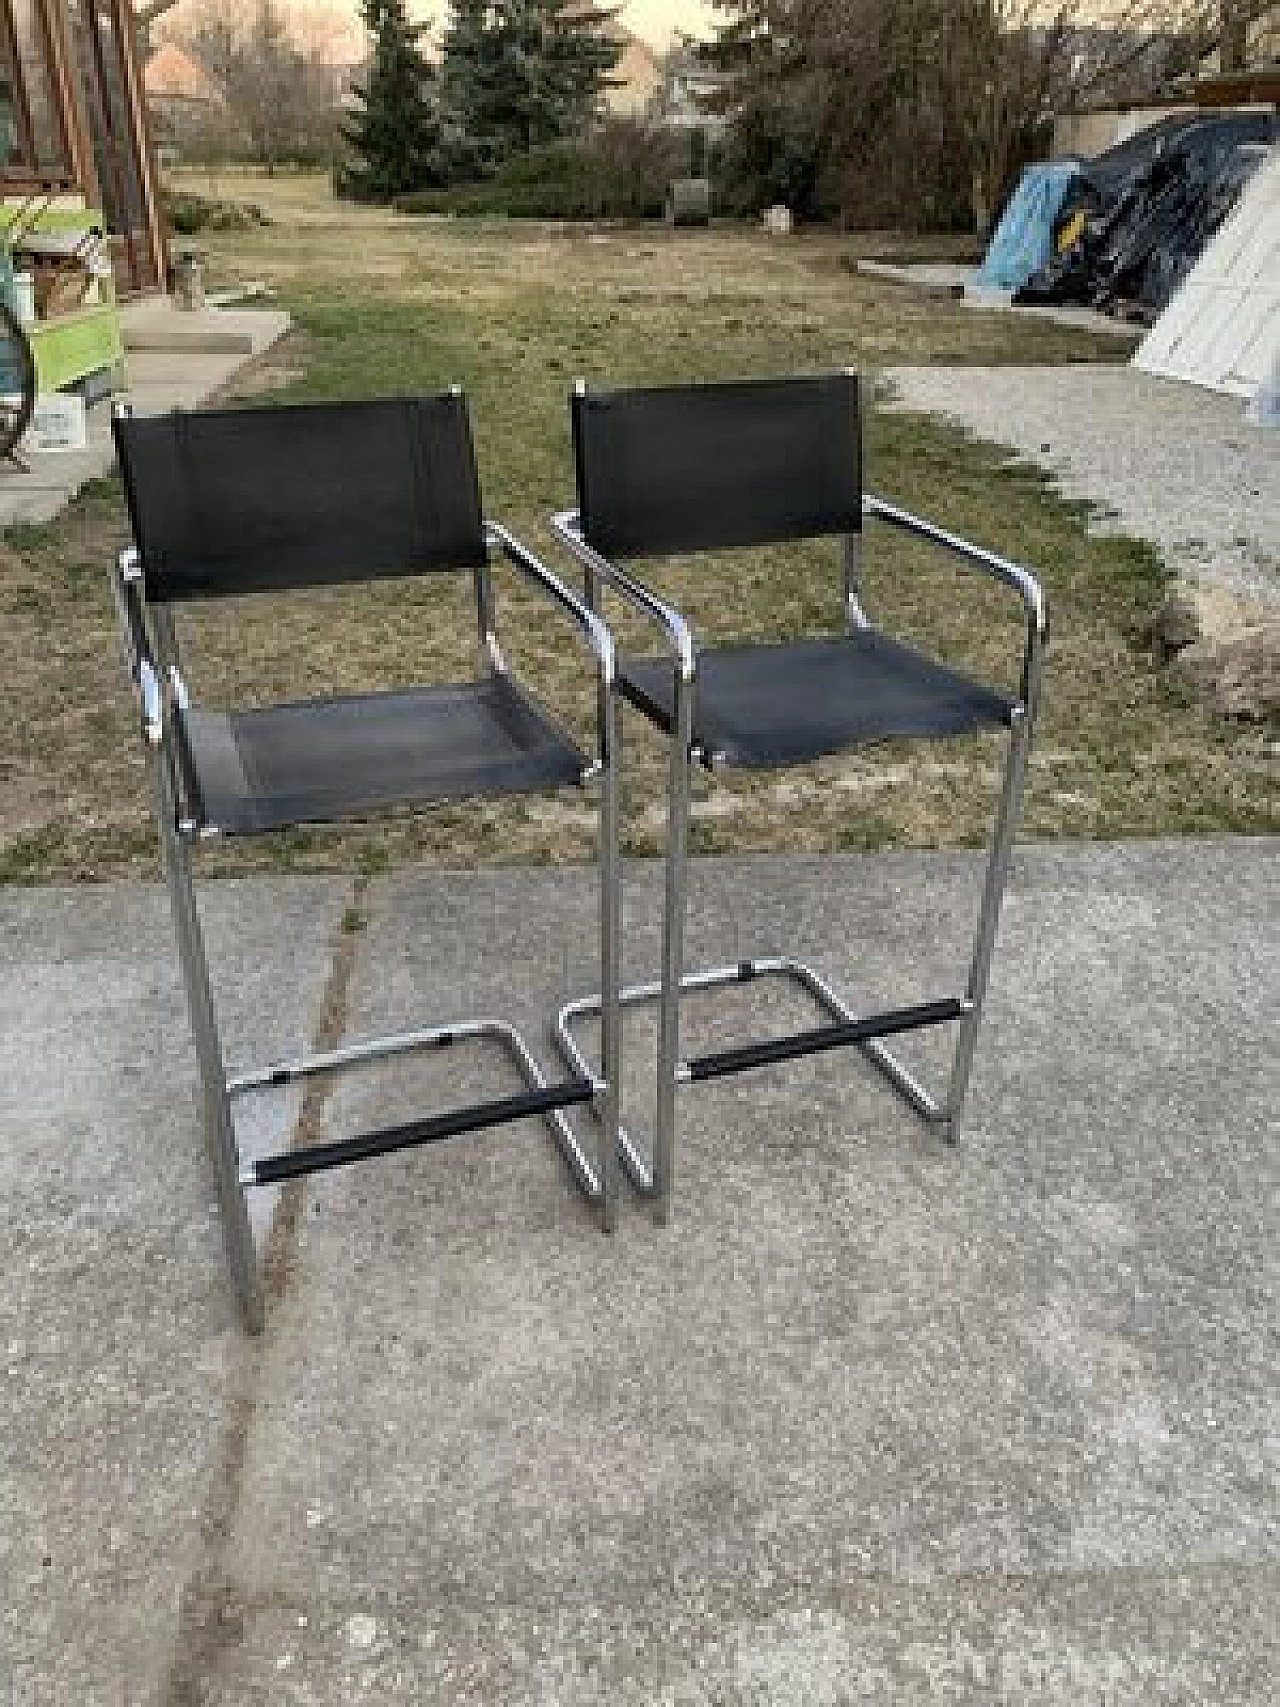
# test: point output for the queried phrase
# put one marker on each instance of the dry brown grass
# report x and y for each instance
(513, 312)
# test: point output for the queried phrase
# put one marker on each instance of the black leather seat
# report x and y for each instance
(326, 759)
(760, 706)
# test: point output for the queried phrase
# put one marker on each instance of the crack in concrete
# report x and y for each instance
(210, 1614)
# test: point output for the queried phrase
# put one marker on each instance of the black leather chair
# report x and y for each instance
(687, 469)
(249, 501)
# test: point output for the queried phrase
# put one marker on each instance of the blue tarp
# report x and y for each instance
(1023, 240)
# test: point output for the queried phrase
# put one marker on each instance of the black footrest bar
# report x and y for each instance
(315, 1158)
(722, 1063)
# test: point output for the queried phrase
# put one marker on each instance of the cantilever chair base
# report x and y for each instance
(845, 1026)
(539, 1098)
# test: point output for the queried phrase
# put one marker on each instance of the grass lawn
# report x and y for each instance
(384, 304)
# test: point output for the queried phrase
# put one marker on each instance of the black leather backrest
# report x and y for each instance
(260, 500)
(711, 467)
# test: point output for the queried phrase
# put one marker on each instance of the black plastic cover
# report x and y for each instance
(713, 467)
(746, 1057)
(1151, 204)
(760, 706)
(316, 1158)
(260, 500)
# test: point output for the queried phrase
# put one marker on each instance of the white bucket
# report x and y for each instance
(24, 299)
(58, 422)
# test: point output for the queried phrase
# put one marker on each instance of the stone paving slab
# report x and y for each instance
(120, 1357)
(871, 1404)
(155, 323)
(874, 1421)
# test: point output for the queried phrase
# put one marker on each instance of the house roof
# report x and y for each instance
(172, 74)
(636, 77)
(638, 72)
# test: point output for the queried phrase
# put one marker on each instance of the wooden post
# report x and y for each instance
(71, 114)
(22, 105)
(143, 146)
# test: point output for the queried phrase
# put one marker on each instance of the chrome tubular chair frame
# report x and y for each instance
(154, 666)
(654, 1178)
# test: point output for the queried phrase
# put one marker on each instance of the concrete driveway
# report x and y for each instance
(874, 1421)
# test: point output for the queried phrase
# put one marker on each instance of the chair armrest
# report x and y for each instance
(1012, 575)
(567, 528)
(126, 586)
(592, 627)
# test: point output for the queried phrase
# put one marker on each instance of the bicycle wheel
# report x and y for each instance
(17, 380)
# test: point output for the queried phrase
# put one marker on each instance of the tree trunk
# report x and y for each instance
(1233, 43)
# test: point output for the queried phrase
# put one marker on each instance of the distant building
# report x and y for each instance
(345, 80)
(181, 98)
(689, 93)
(1258, 84)
(338, 49)
(172, 75)
(637, 77)
(1159, 76)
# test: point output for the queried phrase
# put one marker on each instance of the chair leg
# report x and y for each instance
(610, 932)
(1008, 815)
(219, 1130)
(673, 915)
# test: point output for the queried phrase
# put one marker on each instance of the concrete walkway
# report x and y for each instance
(172, 360)
(874, 1421)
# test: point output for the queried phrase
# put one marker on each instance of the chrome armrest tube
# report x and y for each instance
(126, 587)
(592, 626)
(1003, 569)
(679, 636)
(151, 700)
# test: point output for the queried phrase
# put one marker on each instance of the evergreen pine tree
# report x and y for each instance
(395, 133)
(519, 74)
(578, 54)
(471, 106)
(775, 100)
